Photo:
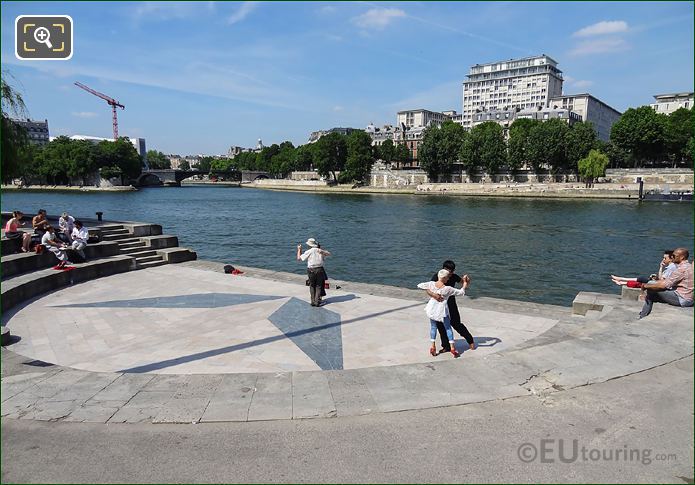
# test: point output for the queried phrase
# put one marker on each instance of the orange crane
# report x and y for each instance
(112, 102)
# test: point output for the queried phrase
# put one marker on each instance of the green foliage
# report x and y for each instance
(593, 166)
(204, 164)
(518, 144)
(330, 154)
(285, 161)
(546, 145)
(402, 154)
(641, 133)
(360, 157)
(157, 160)
(184, 165)
(222, 165)
(440, 148)
(387, 151)
(265, 156)
(484, 147)
(305, 156)
(15, 144)
(579, 140)
(680, 127)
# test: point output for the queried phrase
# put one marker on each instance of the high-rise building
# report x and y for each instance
(516, 83)
(668, 103)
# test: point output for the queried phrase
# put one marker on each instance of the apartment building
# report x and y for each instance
(668, 103)
(590, 108)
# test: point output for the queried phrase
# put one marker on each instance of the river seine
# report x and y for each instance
(540, 250)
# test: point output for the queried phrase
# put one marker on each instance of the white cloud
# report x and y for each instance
(160, 11)
(583, 83)
(326, 9)
(338, 108)
(84, 114)
(243, 11)
(600, 46)
(378, 18)
(602, 28)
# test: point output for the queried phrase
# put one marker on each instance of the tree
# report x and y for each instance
(387, 151)
(14, 140)
(157, 160)
(484, 146)
(221, 165)
(440, 148)
(592, 167)
(285, 160)
(204, 164)
(519, 142)
(330, 154)
(546, 145)
(402, 154)
(680, 126)
(184, 165)
(82, 160)
(640, 132)
(305, 156)
(118, 158)
(359, 158)
(579, 140)
(264, 158)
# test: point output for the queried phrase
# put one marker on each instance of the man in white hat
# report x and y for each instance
(316, 274)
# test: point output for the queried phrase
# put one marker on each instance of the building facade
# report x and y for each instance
(516, 83)
(420, 118)
(37, 131)
(590, 108)
(668, 103)
(315, 135)
(380, 135)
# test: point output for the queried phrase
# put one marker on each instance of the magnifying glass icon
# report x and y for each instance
(43, 36)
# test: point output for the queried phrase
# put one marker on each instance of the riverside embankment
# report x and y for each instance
(535, 190)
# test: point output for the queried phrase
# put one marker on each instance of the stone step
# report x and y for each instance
(138, 252)
(150, 264)
(148, 259)
(114, 232)
(110, 227)
(128, 240)
(132, 245)
(115, 237)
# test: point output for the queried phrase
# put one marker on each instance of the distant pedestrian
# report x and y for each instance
(315, 271)
(438, 311)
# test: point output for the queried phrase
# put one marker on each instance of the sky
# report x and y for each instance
(199, 77)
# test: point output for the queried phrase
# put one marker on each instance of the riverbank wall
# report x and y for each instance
(536, 190)
(70, 188)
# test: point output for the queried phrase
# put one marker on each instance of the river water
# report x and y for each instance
(540, 250)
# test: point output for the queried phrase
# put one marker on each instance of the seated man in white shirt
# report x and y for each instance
(51, 243)
(80, 235)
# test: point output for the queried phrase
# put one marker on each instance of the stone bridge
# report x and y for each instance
(174, 177)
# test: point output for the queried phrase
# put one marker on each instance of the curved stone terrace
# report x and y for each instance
(188, 343)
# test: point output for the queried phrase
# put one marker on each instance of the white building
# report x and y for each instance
(668, 103)
(416, 118)
(516, 83)
(138, 143)
(590, 109)
(380, 135)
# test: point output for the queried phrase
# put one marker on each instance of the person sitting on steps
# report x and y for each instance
(676, 289)
(49, 240)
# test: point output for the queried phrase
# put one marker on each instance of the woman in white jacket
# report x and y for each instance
(438, 311)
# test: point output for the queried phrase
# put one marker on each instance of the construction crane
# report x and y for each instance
(112, 102)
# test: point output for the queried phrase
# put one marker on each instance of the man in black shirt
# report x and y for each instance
(453, 311)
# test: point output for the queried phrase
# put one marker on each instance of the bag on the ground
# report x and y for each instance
(228, 268)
